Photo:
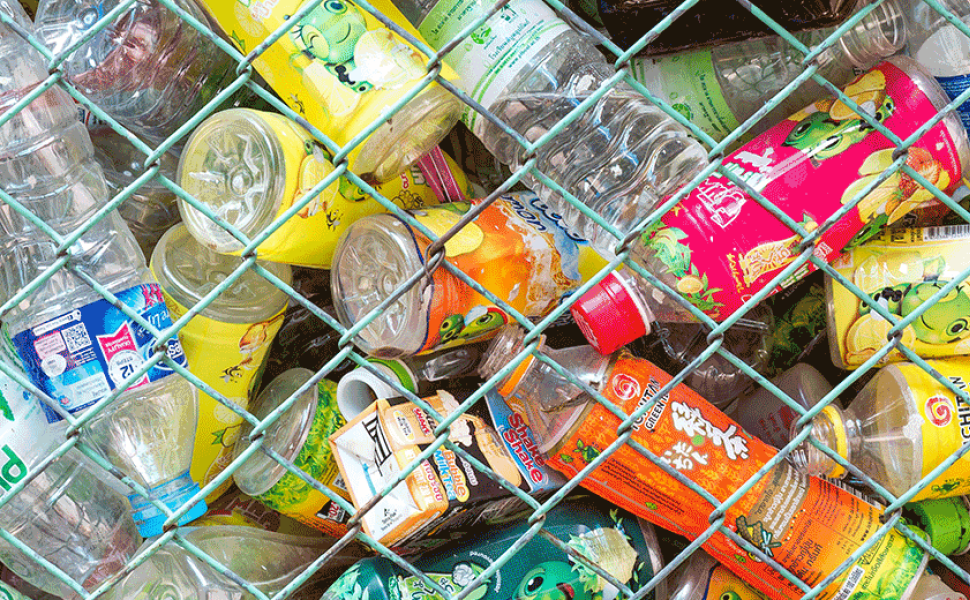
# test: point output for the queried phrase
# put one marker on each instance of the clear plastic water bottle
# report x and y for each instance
(718, 88)
(75, 345)
(720, 246)
(942, 48)
(174, 572)
(149, 69)
(531, 70)
(152, 208)
(68, 513)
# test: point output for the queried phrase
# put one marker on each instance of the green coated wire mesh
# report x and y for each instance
(496, 181)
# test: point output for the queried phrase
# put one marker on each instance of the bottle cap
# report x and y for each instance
(173, 493)
(610, 316)
(946, 521)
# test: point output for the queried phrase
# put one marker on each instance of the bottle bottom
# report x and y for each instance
(407, 135)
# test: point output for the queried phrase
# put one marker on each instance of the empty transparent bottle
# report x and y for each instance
(67, 514)
(149, 69)
(902, 425)
(531, 70)
(152, 208)
(941, 47)
(719, 87)
(175, 573)
(74, 344)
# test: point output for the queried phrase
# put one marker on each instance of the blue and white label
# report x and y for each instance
(80, 357)
(954, 86)
(173, 494)
(522, 445)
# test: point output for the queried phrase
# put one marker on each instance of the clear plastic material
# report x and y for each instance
(374, 257)
(68, 513)
(151, 209)
(556, 403)
(765, 415)
(47, 164)
(619, 157)
(245, 180)
(149, 69)
(174, 573)
(880, 433)
(747, 73)
(942, 48)
(187, 271)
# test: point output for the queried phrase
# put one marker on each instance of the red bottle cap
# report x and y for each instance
(609, 316)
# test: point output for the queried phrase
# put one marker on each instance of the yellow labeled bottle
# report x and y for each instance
(229, 338)
(899, 428)
(249, 167)
(342, 69)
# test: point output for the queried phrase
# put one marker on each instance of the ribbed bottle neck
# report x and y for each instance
(879, 34)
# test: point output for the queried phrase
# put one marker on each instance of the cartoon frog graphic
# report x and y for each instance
(552, 580)
(821, 136)
(478, 322)
(335, 36)
(945, 322)
(329, 33)
(829, 127)
(889, 281)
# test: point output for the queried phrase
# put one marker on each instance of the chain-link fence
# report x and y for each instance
(345, 353)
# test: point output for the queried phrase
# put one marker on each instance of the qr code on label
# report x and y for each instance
(76, 337)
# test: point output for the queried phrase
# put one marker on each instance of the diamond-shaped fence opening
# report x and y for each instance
(598, 187)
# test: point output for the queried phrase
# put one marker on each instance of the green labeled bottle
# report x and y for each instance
(613, 539)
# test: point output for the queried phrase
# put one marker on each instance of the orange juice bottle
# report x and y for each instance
(515, 248)
(806, 525)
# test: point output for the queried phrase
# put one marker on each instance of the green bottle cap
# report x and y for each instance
(946, 521)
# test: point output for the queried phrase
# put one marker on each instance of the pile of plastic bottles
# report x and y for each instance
(524, 300)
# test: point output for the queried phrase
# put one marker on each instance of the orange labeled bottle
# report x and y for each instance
(808, 526)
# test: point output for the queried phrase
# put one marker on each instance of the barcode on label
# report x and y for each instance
(855, 575)
(946, 232)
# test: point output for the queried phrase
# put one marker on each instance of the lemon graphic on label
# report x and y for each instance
(868, 92)
(314, 168)
(385, 61)
(888, 270)
(465, 240)
(868, 334)
(327, 90)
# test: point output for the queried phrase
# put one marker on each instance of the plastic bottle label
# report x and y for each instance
(954, 86)
(722, 246)
(173, 494)
(517, 249)
(722, 584)
(900, 270)
(24, 433)
(291, 495)
(689, 84)
(310, 237)
(229, 357)
(492, 56)
(806, 524)
(339, 66)
(945, 425)
(80, 357)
